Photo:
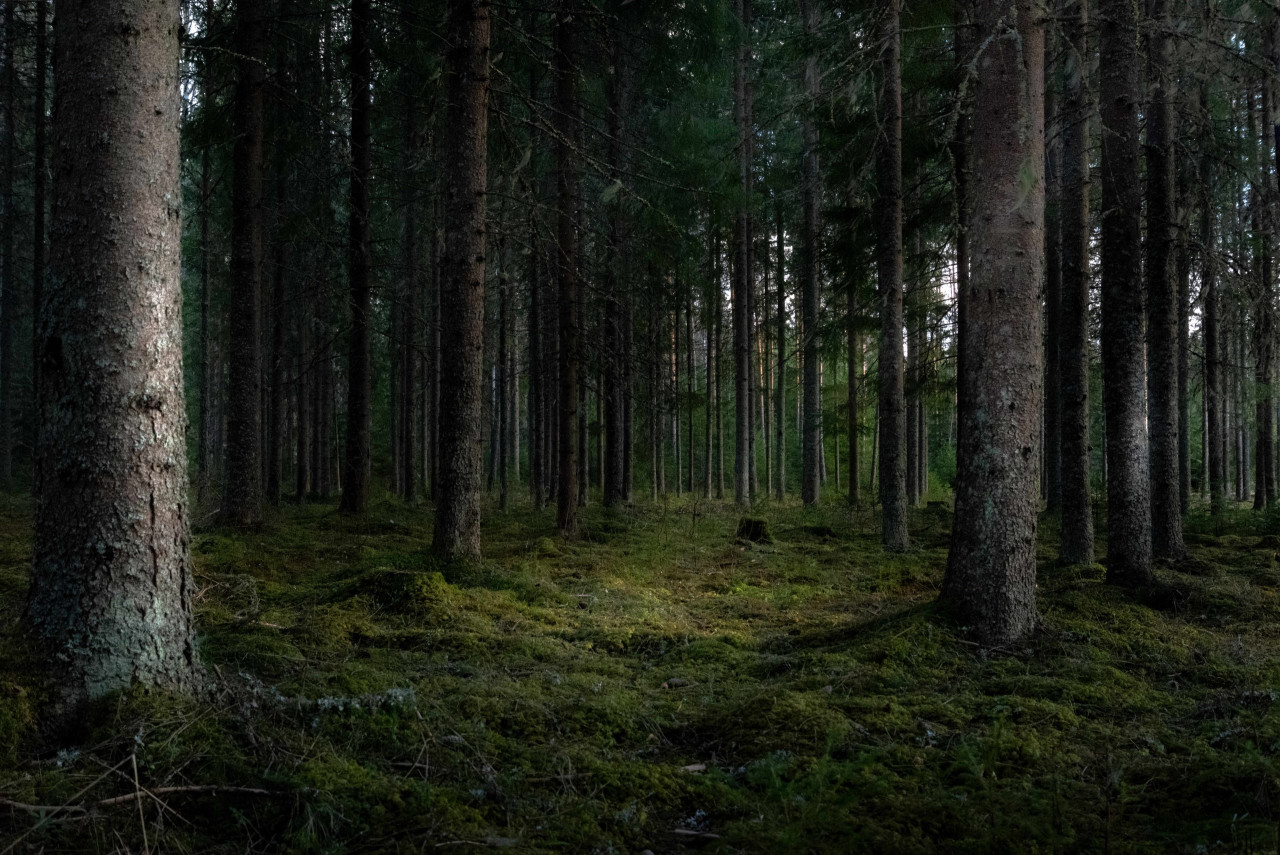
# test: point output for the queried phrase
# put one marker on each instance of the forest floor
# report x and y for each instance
(661, 685)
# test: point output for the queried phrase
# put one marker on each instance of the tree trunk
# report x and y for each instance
(1162, 289)
(991, 572)
(566, 100)
(204, 427)
(780, 388)
(38, 202)
(888, 216)
(1052, 475)
(1123, 321)
(1212, 348)
(741, 269)
(242, 498)
(811, 202)
(461, 298)
(355, 476)
(1076, 543)
(112, 582)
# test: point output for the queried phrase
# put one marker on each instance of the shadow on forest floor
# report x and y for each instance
(659, 685)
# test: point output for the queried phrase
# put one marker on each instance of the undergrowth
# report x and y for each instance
(658, 685)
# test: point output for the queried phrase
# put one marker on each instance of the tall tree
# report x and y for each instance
(567, 244)
(1162, 287)
(111, 583)
(1123, 320)
(888, 214)
(355, 476)
(40, 170)
(991, 571)
(1076, 541)
(811, 192)
(740, 270)
(1162, 419)
(241, 501)
(8, 278)
(462, 268)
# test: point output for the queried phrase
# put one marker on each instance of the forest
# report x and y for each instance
(639, 426)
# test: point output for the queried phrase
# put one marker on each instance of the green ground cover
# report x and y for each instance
(661, 685)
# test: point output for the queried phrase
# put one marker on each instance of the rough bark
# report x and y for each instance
(8, 279)
(740, 270)
(39, 182)
(462, 266)
(566, 98)
(1076, 540)
(1124, 378)
(355, 474)
(888, 215)
(1162, 289)
(780, 392)
(111, 585)
(991, 571)
(810, 204)
(241, 503)
(1052, 473)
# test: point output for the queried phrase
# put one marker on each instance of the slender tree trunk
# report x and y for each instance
(1212, 348)
(780, 388)
(991, 570)
(461, 296)
(741, 269)
(39, 179)
(1124, 384)
(243, 495)
(1076, 542)
(1184, 341)
(811, 203)
(616, 280)
(892, 416)
(1052, 476)
(112, 583)
(275, 419)
(1162, 289)
(566, 100)
(355, 476)
(205, 417)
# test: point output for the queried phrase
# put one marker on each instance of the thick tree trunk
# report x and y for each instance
(1124, 378)
(355, 475)
(991, 572)
(811, 202)
(461, 299)
(566, 100)
(276, 398)
(111, 583)
(241, 503)
(8, 279)
(1076, 543)
(892, 417)
(1162, 289)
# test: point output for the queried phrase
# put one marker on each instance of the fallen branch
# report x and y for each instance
(129, 797)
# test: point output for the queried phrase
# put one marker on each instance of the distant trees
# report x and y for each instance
(112, 583)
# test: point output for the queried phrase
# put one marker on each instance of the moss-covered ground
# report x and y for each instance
(660, 685)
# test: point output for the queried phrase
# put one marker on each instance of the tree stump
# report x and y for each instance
(754, 529)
